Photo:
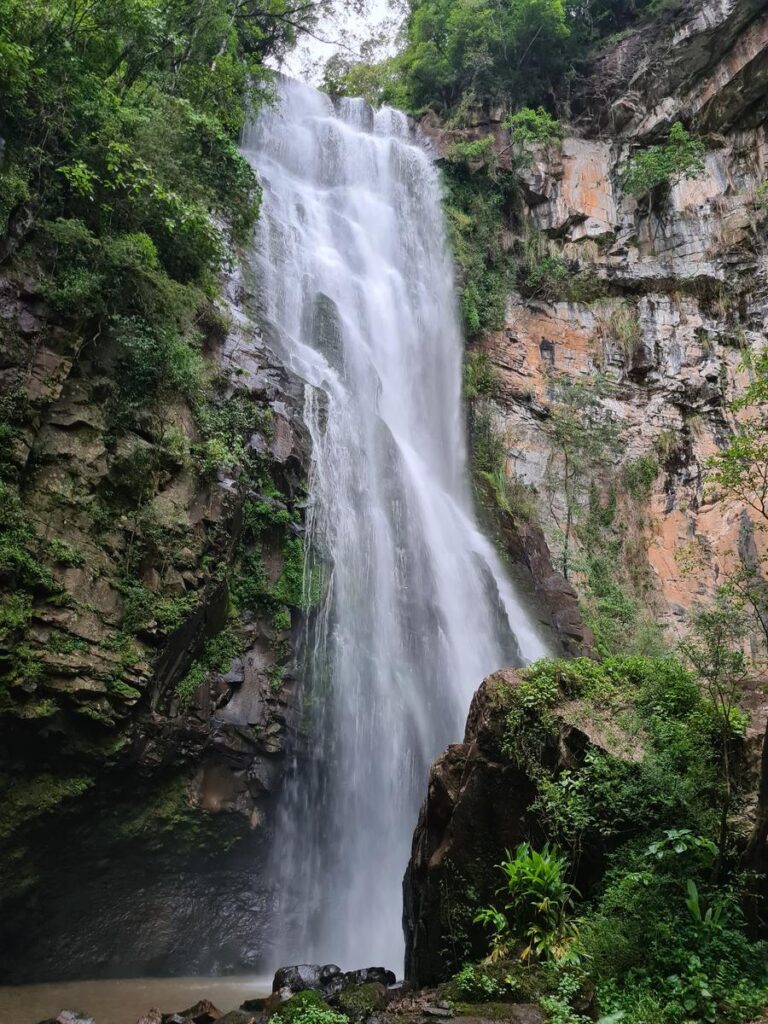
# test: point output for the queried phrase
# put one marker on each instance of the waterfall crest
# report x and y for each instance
(356, 294)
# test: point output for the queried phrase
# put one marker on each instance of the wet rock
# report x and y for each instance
(203, 1012)
(238, 1017)
(328, 980)
(367, 975)
(358, 1002)
(153, 1016)
(70, 1017)
(255, 1005)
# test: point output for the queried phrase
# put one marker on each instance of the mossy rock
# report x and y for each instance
(360, 1001)
(295, 1007)
(513, 982)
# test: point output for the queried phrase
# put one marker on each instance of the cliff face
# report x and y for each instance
(146, 648)
(664, 298)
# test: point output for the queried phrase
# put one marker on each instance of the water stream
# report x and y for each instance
(357, 296)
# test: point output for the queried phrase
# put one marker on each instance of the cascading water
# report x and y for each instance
(357, 295)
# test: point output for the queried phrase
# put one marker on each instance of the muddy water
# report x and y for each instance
(124, 1000)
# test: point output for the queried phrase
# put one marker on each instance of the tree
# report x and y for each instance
(482, 51)
(658, 168)
(740, 470)
(715, 649)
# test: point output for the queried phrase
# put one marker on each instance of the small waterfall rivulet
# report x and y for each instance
(356, 293)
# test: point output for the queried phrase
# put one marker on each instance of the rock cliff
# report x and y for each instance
(659, 300)
(146, 651)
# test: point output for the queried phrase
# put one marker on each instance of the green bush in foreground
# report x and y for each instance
(662, 937)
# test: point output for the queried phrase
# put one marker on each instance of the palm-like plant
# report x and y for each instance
(539, 901)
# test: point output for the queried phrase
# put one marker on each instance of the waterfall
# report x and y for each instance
(356, 295)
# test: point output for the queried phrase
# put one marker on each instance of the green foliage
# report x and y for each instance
(658, 953)
(543, 273)
(624, 328)
(535, 126)
(538, 908)
(62, 643)
(130, 121)
(477, 206)
(155, 364)
(225, 421)
(376, 82)
(20, 564)
(29, 798)
(457, 48)
(63, 553)
(217, 656)
(660, 938)
(478, 985)
(307, 1008)
(474, 151)
(660, 167)
(741, 469)
(639, 476)
(143, 609)
(481, 378)
(654, 707)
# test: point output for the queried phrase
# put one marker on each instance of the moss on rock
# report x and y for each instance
(360, 1001)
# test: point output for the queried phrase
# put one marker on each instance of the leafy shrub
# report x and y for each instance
(537, 126)
(63, 553)
(459, 48)
(218, 655)
(481, 378)
(477, 206)
(475, 151)
(538, 907)
(307, 1008)
(660, 167)
(477, 985)
(639, 476)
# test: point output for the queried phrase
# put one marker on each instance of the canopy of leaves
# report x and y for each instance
(125, 114)
(464, 53)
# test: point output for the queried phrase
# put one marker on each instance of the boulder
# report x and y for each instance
(479, 805)
(300, 977)
(370, 975)
(358, 1002)
(327, 980)
(203, 1012)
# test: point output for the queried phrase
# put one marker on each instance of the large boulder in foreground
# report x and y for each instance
(478, 805)
(328, 980)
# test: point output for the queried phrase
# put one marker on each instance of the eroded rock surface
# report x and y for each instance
(478, 805)
(675, 289)
(139, 810)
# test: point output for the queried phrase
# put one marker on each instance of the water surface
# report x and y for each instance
(125, 1000)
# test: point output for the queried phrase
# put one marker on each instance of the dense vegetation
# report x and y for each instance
(665, 935)
(123, 197)
(459, 55)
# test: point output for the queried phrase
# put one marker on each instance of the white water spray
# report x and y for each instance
(357, 295)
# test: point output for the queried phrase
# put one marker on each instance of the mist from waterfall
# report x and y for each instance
(356, 294)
